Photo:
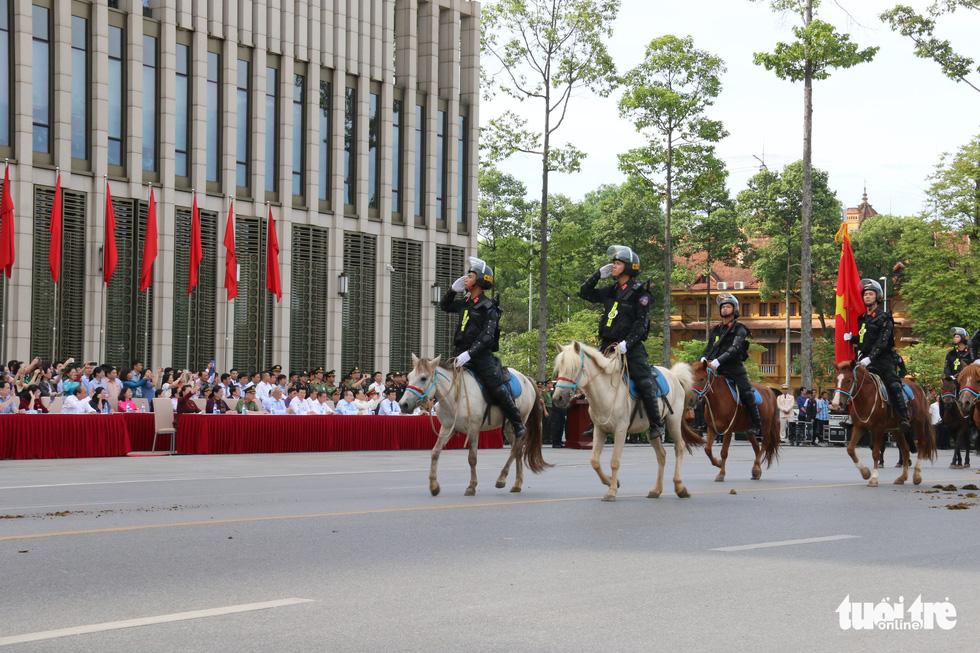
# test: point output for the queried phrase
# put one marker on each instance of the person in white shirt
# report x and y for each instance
(364, 405)
(9, 403)
(346, 405)
(263, 389)
(388, 405)
(377, 385)
(77, 403)
(274, 404)
(786, 403)
(319, 405)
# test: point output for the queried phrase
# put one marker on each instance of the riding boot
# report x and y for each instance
(506, 402)
(897, 398)
(652, 407)
(755, 418)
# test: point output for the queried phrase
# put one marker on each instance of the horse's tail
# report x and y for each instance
(771, 446)
(532, 439)
(927, 440)
(686, 378)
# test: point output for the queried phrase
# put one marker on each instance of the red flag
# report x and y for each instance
(149, 245)
(231, 267)
(110, 257)
(849, 302)
(196, 252)
(54, 248)
(272, 281)
(6, 226)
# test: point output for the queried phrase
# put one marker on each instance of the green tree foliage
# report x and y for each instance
(955, 189)
(519, 350)
(666, 98)
(921, 29)
(875, 246)
(546, 52)
(925, 363)
(824, 363)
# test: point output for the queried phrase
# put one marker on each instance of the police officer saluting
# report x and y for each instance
(727, 349)
(959, 356)
(476, 337)
(625, 322)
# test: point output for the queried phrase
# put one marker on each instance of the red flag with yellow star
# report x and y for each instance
(849, 302)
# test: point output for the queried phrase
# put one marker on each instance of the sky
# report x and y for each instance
(883, 124)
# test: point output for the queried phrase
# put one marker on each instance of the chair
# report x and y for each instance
(46, 401)
(143, 403)
(232, 404)
(163, 422)
(202, 404)
(55, 404)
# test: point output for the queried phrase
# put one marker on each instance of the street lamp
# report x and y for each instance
(884, 291)
(342, 284)
(435, 296)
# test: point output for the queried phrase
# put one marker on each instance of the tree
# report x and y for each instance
(925, 363)
(921, 27)
(955, 189)
(875, 244)
(818, 48)
(666, 97)
(547, 51)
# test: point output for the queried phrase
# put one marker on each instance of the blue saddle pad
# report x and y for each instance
(511, 381)
(907, 391)
(758, 397)
(662, 387)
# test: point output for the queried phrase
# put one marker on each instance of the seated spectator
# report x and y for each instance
(346, 405)
(73, 381)
(31, 401)
(8, 400)
(99, 401)
(319, 406)
(77, 402)
(248, 405)
(388, 405)
(216, 404)
(293, 405)
(126, 403)
(113, 386)
(364, 404)
(275, 405)
(377, 385)
(185, 403)
(235, 392)
(424, 407)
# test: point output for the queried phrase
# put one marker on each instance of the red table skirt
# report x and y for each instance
(63, 436)
(141, 427)
(205, 434)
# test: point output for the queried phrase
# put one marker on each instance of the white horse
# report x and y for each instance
(612, 408)
(462, 408)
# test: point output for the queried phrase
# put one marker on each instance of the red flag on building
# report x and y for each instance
(196, 252)
(149, 245)
(110, 257)
(54, 248)
(272, 281)
(231, 264)
(849, 302)
(6, 226)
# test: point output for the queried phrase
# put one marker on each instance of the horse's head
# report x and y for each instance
(421, 382)
(969, 380)
(846, 382)
(569, 370)
(700, 377)
(948, 395)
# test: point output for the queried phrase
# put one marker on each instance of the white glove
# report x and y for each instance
(605, 271)
(847, 336)
(704, 360)
(622, 347)
(865, 362)
(976, 361)
(714, 364)
(463, 359)
(460, 284)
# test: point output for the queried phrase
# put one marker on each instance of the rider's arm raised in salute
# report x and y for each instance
(590, 293)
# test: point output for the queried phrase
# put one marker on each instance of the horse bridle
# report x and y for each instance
(432, 386)
(707, 384)
(577, 381)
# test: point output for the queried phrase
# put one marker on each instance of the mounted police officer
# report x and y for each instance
(625, 323)
(477, 335)
(959, 356)
(727, 349)
(875, 349)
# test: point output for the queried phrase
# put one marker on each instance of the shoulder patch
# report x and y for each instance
(645, 300)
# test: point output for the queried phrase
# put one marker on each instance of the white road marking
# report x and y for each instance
(146, 621)
(766, 545)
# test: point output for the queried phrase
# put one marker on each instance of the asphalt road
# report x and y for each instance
(349, 552)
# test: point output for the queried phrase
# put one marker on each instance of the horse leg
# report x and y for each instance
(724, 457)
(757, 465)
(444, 435)
(502, 479)
(967, 442)
(957, 462)
(709, 437)
(661, 463)
(876, 454)
(906, 456)
(598, 441)
(856, 433)
(518, 469)
(619, 439)
(679, 486)
(471, 459)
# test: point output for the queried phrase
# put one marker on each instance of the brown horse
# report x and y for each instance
(724, 416)
(959, 424)
(870, 412)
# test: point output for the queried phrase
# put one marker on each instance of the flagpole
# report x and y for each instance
(54, 325)
(102, 321)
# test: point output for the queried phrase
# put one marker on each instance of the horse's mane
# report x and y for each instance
(607, 365)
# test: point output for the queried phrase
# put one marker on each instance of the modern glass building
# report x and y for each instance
(354, 121)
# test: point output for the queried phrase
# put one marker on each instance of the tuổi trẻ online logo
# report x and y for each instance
(884, 615)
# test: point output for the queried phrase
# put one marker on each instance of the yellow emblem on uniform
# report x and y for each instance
(861, 333)
(613, 312)
(466, 317)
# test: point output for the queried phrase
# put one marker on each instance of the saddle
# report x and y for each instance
(734, 390)
(880, 386)
(661, 389)
(510, 382)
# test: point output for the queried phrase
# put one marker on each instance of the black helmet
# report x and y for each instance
(627, 256)
(728, 298)
(484, 273)
(871, 284)
(961, 332)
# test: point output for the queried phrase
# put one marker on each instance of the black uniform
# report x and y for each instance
(876, 341)
(477, 334)
(626, 317)
(728, 344)
(956, 360)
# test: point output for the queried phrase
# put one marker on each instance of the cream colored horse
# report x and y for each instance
(611, 407)
(461, 408)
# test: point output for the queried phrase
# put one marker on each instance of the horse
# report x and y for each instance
(870, 412)
(461, 407)
(724, 415)
(612, 409)
(959, 424)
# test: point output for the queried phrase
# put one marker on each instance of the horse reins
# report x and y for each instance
(707, 388)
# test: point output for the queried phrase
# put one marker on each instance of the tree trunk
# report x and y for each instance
(668, 258)
(806, 274)
(543, 281)
(707, 304)
(788, 330)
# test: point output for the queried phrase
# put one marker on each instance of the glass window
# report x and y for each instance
(774, 309)
(214, 117)
(324, 154)
(116, 96)
(396, 157)
(79, 87)
(350, 149)
(149, 103)
(271, 127)
(299, 129)
(42, 79)
(374, 128)
(440, 164)
(5, 64)
(419, 159)
(241, 141)
(182, 107)
(461, 176)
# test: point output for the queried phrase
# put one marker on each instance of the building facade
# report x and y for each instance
(355, 123)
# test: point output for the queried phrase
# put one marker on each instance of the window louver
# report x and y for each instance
(406, 303)
(360, 256)
(201, 307)
(253, 306)
(449, 267)
(308, 305)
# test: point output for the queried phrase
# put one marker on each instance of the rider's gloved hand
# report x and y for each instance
(865, 362)
(704, 360)
(847, 336)
(460, 284)
(622, 347)
(605, 271)
(714, 364)
(463, 359)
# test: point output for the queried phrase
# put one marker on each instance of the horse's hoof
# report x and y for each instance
(516, 488)
(469, 492)
(865, 473)
(434, 489)
(720, 478)
(916, 478)
(653, 495)
(609, 497)
(956, 466)
(756, 474)
(500, 483)
(966, 466)
(873, 483)
(899, 481)
(683, 494)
